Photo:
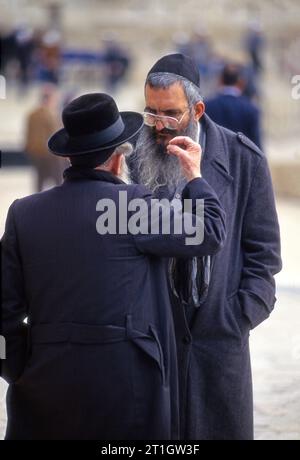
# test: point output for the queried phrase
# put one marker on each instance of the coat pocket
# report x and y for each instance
(239, 319)
(151, 346)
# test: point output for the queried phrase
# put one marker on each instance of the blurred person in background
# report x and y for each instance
(219, 298)
(254, 44)
(116, 61)
(49, 56)
(41, 123)
(8, 48)
(199, 47)
(25, 46)
(17, 55)
(231, 109)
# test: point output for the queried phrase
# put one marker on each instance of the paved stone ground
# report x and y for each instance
(275, 344)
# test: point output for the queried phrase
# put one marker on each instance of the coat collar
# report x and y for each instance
(82, 173)
(215, 162)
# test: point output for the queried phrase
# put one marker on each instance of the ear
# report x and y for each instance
(115, 164)
(199, 110)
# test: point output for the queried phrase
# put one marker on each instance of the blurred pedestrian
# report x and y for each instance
(50, 56)
(229, 108)
(116, 61)
(254, 44)
(41, 123)
(25, 46)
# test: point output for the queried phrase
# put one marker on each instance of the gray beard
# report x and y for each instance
(153, 166)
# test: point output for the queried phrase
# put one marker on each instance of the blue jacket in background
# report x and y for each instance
(237, 113)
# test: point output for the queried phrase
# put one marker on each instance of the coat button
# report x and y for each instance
(186, 339)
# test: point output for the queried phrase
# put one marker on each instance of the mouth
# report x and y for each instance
(164, 132)
(164, 137)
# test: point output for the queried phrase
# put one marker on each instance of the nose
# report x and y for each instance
(159, 125)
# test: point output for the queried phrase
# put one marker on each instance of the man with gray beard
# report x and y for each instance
(218, 298)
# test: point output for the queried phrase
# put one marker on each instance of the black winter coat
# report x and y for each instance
(97, 359)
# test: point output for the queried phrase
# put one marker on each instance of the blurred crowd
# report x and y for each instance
(232, 87)
(29, 56)
(200, 47)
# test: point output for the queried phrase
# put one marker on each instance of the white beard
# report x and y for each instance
(154, 167)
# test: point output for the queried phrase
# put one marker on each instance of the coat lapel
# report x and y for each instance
(215, 162)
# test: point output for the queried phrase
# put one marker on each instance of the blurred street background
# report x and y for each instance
(55, 50)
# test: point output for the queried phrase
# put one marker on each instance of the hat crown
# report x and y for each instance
(89, 114)
(178, 64)
(92, 124)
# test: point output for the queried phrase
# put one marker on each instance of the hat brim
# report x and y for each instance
(61, 145)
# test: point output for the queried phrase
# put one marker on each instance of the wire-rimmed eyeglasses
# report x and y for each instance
(150, 119)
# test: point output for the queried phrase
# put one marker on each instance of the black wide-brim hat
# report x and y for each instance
(93, 123)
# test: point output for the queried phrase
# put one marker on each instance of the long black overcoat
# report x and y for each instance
(97, 358)
(213, 345)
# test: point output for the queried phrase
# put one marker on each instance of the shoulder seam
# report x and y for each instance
(249, 144)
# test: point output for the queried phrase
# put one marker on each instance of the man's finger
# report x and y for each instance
(182, 140)
(176, 150)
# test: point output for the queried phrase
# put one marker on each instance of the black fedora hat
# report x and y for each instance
(93, 123)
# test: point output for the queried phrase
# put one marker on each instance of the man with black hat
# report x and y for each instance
(97, 357)
(218, 298)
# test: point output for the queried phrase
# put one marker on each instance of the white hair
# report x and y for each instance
(123, 149)
(126, 150)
